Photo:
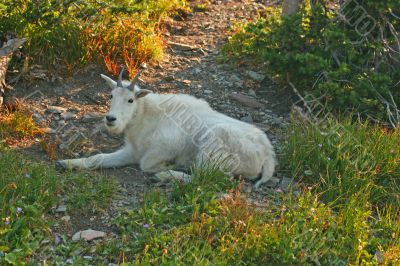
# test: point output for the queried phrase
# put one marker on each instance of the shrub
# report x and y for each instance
(330, 58)
(69, 33)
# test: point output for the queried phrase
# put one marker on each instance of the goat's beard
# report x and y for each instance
(115, 130)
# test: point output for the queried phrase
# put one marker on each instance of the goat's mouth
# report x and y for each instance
(110, 124)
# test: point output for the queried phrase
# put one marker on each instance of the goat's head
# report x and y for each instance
(124, 97)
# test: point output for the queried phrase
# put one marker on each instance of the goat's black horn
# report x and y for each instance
(119, 82)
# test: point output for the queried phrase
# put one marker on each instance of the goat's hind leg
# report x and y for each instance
(103, 160)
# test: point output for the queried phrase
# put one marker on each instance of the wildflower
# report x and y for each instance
(146, 225)
(19, 209)
(329, 158)
(320, 145)
(7, 220)
(28, 175)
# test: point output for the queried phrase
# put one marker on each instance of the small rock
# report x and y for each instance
(37, 118)
(61, 208)
(208, 92)
(57, 239)
(379, 257)
(169, 78)
(91, 116)
(256, 76)
(236, 80)
(273, 182)
(246, 100)
(87, 257)
(252, 93)
(197, 70)
(49, 130)
(247, 119)
(61, 123)
(187, 82)
(88, 235)
(55, 109)
(286, 184)
(181, 46)
(69, 261)
(66, 218)
(68, 116)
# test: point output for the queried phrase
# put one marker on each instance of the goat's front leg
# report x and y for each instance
(103, 160)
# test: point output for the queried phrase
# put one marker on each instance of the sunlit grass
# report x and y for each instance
(18, 125)
(75, 33)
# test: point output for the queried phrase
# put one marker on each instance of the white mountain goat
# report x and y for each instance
(175, 131)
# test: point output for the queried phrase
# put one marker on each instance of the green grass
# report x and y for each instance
(345, 214)
(327, 224)
(28, 191)
(18, 124)
(343, 159)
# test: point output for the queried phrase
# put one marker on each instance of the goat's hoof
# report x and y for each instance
(60, 166)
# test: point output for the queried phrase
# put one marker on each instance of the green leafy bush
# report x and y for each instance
(349, 66)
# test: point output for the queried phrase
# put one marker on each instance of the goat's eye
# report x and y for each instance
(111, 97)
(130, 101)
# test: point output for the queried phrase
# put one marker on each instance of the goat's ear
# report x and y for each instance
(110, 81)
(141, 93)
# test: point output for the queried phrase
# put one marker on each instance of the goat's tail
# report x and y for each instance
(267, 169)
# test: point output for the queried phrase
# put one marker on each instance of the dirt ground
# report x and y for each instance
(72, 108)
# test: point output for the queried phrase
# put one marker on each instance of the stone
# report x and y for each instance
(57, 239)
(68, 116)
(88, 235)
(252, 93)
(181, 46)
(91, 116)
(256, 76)
(49, 130)
(208, 91)
(286, 184)
(61, 208)
(379, 257)
(55, 109)
(247, 119)
(37, 118)
(169, 78)
(66, 218)
(273, 182)
(246, 100)
(236, 80)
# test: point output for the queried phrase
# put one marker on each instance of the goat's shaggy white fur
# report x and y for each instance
(165, 131)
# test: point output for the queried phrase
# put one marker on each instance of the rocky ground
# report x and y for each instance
(72, 108)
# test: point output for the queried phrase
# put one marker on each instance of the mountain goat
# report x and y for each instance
(175, 131)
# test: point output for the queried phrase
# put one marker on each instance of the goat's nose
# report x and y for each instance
(110, 118)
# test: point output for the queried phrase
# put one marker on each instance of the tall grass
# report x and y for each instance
(346, 158)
